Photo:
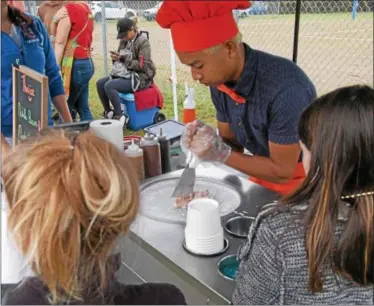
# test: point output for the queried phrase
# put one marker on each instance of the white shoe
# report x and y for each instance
(110, 115)
(121, 119)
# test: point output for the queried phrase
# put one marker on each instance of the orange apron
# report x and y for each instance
(299, 173)
(286, 188)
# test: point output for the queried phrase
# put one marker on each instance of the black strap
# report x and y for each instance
(6, 289)
(144, 32)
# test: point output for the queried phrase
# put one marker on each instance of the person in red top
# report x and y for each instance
(72, 32)
(17, 4)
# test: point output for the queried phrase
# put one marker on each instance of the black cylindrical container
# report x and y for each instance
(165, 153)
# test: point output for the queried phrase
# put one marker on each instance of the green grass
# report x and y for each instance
(204, 106)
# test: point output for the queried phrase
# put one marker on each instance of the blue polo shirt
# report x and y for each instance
(30, 46)
(276, 92)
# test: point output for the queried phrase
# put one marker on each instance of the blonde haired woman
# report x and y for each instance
(65, 214)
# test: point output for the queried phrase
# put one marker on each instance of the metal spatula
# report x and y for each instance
(186, 183)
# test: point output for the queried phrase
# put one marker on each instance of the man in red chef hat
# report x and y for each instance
(258, 97)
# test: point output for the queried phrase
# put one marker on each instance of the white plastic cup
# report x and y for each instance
(203, 218)
(204, 241)
(207, 247)
(204, 231)
(211, 246)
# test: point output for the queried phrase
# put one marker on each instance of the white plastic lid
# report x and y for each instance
(189, 101)
(191, 93)
(133, 149)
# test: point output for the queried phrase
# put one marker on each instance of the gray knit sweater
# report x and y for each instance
(274, 267)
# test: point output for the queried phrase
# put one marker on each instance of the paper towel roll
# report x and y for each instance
(110, 130)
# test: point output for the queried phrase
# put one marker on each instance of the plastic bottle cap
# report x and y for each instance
(148, 140)
(192, 92)
(189, 102)
(133, 148)
(148, 136)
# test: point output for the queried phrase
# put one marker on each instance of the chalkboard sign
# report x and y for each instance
(30, 103)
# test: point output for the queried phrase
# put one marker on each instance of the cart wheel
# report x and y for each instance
(159, 117)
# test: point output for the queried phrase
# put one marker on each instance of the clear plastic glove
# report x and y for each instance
(204, 143)
(189, 132)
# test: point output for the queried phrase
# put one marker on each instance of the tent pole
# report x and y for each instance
(296, 31)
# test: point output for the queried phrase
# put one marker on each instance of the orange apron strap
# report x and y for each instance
(287, 188)
(233, 95)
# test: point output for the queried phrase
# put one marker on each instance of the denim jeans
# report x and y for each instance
(81, 74)
(108, 90)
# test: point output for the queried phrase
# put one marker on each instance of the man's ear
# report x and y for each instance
(231, 48)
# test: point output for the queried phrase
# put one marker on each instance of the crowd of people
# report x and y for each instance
(315, 246)
(59, 43)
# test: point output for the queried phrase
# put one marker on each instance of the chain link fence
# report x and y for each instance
(335, 45)
(335, 41)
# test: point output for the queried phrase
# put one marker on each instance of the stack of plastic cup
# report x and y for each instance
(204, 231)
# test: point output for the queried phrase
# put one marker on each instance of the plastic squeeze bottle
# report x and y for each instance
(189, 107)
(152, 155)
(136, 156)
(165, 152)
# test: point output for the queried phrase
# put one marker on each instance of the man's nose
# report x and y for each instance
(197, 76)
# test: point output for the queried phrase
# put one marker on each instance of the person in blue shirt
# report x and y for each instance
(258, 97)
(25, 41)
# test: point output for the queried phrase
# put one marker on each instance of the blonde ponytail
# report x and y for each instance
(69, 201)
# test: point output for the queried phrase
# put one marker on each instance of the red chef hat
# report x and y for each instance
(198, 25)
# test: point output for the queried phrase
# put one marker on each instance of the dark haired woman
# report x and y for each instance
(318, 246)
(25, 41)
(133, 69)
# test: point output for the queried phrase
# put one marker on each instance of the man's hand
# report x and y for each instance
(189, 132)
(203, 141)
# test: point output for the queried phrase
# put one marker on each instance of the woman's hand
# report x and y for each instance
(114, 56)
